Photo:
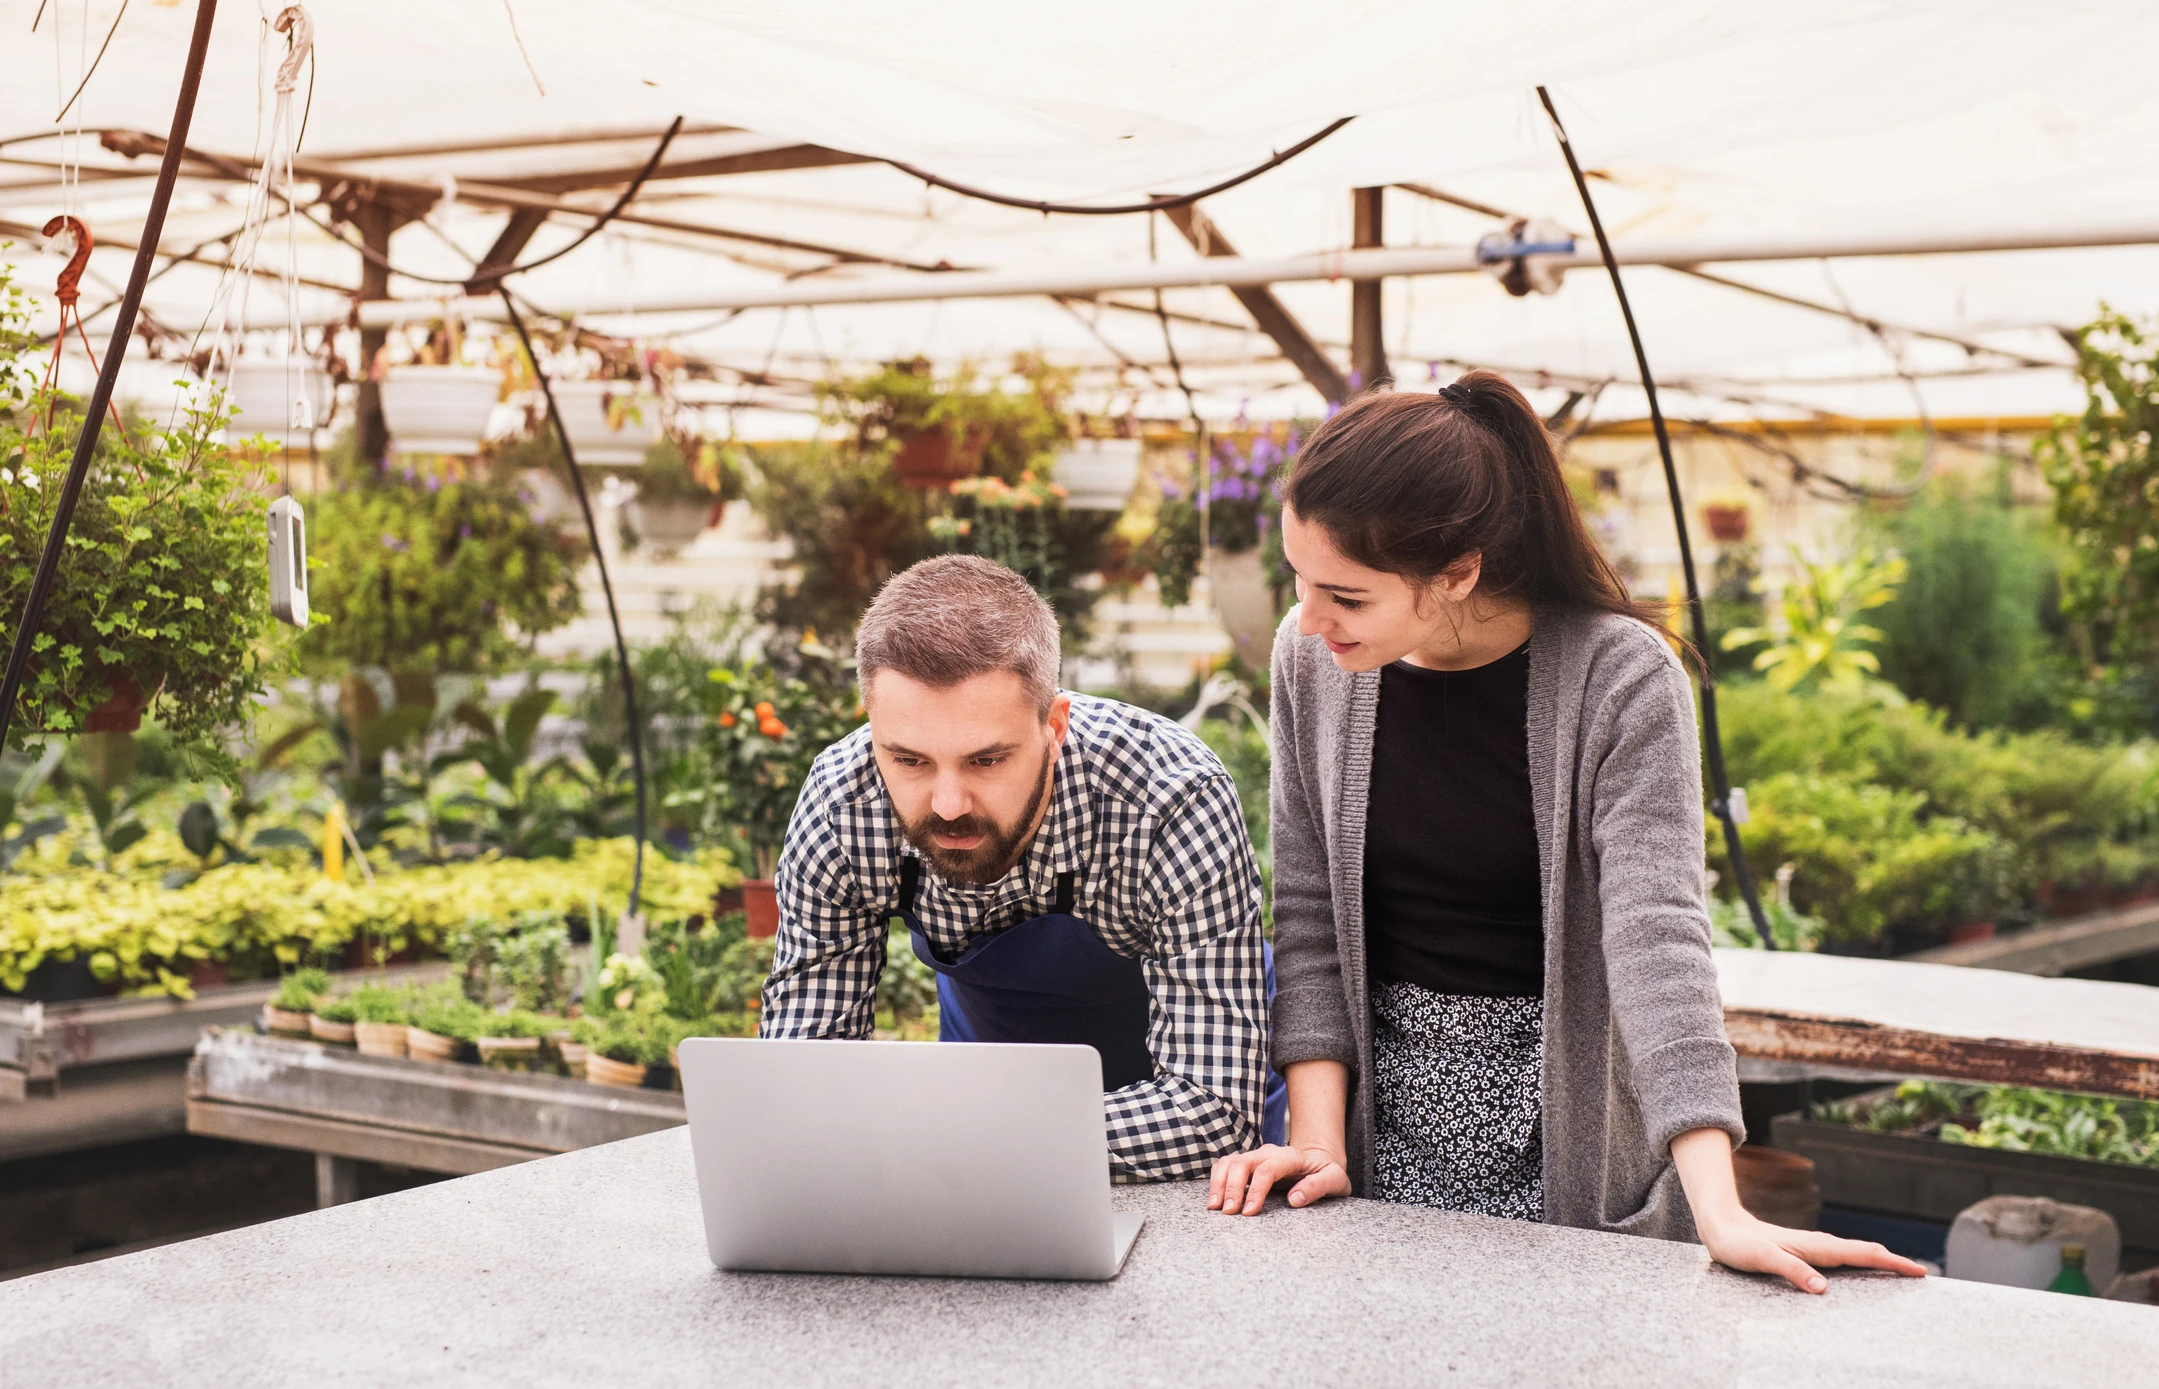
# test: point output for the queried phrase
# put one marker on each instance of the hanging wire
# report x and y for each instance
(1160, 204)
(1712, 741)
(607, 586)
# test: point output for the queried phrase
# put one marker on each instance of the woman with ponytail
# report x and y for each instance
(1495, 991)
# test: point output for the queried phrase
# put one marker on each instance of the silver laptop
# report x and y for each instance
(955, 1159)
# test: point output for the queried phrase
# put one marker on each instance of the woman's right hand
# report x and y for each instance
(1240, 1182)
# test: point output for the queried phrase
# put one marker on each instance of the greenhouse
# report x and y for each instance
(1477, 649)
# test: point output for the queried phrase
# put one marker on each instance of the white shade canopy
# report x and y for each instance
(1835, 120)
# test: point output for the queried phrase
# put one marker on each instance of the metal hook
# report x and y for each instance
(70, 284)
(293, 20)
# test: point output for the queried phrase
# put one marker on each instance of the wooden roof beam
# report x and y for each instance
(1267, 311)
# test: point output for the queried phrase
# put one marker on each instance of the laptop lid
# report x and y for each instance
(985, 1161)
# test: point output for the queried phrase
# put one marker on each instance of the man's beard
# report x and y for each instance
(987, 861)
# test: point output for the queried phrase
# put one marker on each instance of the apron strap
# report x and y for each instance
(1066, 897)
(910, 882)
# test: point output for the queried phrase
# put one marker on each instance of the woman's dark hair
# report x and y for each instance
(1409, 483)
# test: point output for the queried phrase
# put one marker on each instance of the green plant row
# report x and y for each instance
(2011, 1118)
(257, 917)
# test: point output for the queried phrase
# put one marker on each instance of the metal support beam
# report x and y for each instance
(1367, 350)
(1267, 311)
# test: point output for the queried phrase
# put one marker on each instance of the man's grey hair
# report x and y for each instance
(954, 617)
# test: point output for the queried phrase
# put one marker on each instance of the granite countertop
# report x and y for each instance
(590, 1268)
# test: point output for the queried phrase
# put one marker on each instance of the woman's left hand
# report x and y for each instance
(1740, 1240)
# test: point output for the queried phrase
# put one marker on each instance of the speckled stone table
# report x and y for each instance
(590, 1269)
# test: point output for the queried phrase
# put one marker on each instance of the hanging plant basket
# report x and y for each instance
(939, 456)
(266, 392)
(1727, 522)
(123, 709)
(610, 423)
(439, 409)
(1098, 474)
(669, 524)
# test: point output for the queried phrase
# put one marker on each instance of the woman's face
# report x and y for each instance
(1368, 617)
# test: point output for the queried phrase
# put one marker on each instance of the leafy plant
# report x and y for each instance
(1823, 642)
(760, 736)
(1732, 926)
(339, 1010)
(432, 571)
(444, 1010)
(377, 1003)
(298, 991)
(2010, 1117)
(2104, 469)
(164, 590)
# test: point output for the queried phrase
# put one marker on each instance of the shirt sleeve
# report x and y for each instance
(831, 947)
(1207, 1024)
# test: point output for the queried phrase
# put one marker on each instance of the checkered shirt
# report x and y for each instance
(1148, 819)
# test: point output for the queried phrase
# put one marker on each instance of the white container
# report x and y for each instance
(2017, 1241)
(1245, 602)
(439, 409)
(669, 526)
(1098, 474)
(584, 414)
(269, 395)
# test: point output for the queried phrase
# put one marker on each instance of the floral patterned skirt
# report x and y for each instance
(1455, 1101)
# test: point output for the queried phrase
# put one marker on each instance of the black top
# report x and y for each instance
(1452, 893)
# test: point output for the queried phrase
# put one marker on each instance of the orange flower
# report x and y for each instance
(727, 719)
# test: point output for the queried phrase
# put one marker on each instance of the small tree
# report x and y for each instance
(1823, 641)
(2104, 469)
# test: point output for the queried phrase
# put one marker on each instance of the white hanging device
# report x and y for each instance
(288, 562)
(1520, 257)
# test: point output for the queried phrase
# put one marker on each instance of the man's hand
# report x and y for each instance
(1740, 1240)
(1240, 1182)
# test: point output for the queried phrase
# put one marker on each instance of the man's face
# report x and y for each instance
(968, 767)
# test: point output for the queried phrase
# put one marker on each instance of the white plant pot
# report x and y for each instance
(266, 393)
(668, 526)
(584, 415)
(1098, 474)
(439, 409)
(1245, 604)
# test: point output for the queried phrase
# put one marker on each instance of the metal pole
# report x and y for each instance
(123, 328)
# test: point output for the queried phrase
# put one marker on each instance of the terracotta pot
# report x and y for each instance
(340, 1033)
(1778, 1187)
(1727, 522)
(509, 1053)
(123, 709)
(207, 974)
(280, 1022)
(380, 1038)
(934, 458)
(423, 1045)
(760, 909)
(601, 1071)
(572, 1054)
(1967, 932)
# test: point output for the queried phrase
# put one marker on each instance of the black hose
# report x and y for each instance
(1720, 787)
(123, 329)
(607, 586)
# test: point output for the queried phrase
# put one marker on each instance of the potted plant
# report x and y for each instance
(286, 1014)
(675, 502)
(510, 1041)
(1727, 521)
(619, 1049)
(267, 393)
(334, 1021)
(936, 430)
(165, 603)
(444, 1024)
(1098, 474)
(380, 1015)
(611, 423)
(1243, 509)
(760, 735)
(434, 404)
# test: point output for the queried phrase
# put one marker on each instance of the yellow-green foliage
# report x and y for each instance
(145, 936)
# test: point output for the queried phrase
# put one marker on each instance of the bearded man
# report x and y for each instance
(1074, 869)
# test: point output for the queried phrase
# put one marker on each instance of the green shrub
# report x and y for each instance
(377, 1003)
(1732, 927)
(1866, 859)
(445, 1011)
(341, 1010)
(297, 991)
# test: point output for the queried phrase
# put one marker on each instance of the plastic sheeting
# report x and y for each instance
(1704, 119)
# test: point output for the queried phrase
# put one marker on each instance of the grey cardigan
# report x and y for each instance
(1634, 1046)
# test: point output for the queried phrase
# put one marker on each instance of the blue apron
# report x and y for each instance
(1051, 979)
